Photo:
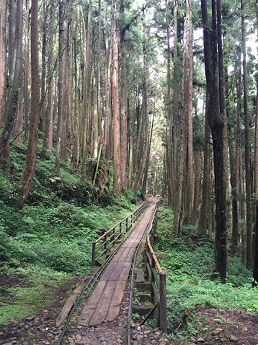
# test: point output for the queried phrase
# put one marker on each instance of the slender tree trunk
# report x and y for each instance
(115, 102)
(169, 146)
(188, 95)
(249, 230)
(197, 183)
(30, 165)
(14, 77)
(124, 139)
(48, 139)
(60, 84)
(255, 267)
(2, 57)
(86, 89)
(205, 219)
(234, 156)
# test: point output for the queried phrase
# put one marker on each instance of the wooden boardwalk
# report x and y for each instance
(105, 300)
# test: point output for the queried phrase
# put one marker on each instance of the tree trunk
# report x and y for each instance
(188, 95)
(249, 230)
(48, 139)
(205, 213)
(2, 57)
(215, 103)
(14, 77)
(124, 139)
(255, 266)
(30, 165)
(115, 103)
(86, 89)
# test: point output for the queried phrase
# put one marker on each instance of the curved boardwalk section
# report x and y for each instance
(105, 300)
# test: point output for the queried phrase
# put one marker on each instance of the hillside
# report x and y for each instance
(46, 246)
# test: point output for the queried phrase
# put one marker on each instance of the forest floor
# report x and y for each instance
(213, 325)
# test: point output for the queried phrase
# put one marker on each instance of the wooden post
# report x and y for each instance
(105, 246)
(93, 254)
(163, 302)
(152, 265)
(114, 234)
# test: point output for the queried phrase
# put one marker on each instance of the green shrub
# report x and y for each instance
(189, 264)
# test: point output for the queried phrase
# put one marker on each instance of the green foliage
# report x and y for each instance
(58, 237)
(56, 227)
(51, 237)
(189, 264)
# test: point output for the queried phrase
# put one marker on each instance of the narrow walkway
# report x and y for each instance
(105, 301)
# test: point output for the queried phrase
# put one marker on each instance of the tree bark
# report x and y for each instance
(249, 230)
(255, 266)
(215, 102)
(13, 83)
(2, 56)
(115, 103)
(188, 95)
(30, 165)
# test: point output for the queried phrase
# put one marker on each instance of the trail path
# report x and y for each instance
(105, 302)
(103, 319)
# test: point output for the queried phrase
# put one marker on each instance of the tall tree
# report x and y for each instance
(249, 230)
(30, 165)
(188, 109)
(2, 56)
(13, 80)
(255, 267)
(123, 149)
(115, 103)
(213, 55)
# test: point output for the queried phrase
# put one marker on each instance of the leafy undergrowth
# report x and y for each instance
(194, 299)
(48, 243)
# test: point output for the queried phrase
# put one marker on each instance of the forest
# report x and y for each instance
(105, 102)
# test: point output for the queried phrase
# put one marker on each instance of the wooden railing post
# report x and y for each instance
(105, 245)
(163, 302)
(93, 254)
(152, 276)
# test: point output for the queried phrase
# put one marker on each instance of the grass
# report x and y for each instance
(37, 294)
(50, 239)
(189, 263)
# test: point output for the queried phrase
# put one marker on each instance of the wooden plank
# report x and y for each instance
(118, 294)
(65, 310)
(113, 313)
(117, 271)
(100, 312)
(130, 255)
(108, 271)
(125, 271)
(109, 289)
(93, 300)
(85, 317)
(123, 254)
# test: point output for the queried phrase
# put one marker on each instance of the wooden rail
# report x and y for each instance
(157, 277)
(102, 245)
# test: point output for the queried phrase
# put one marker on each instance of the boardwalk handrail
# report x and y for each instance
(157, 277)
(102, 245)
